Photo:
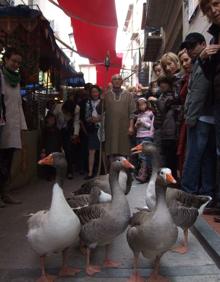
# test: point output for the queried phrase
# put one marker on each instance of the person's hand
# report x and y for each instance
(152, 98)
(130, 130)
(209, 51)
(95, 119)
(138, 123)
(75, 139)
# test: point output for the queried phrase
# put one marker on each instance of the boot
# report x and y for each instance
(2, 204)
(142, 174)
(8, 199)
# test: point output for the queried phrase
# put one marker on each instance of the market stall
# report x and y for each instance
(44, 69)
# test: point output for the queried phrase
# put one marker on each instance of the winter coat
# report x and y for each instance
(196, 103)
(167, 116)
(15, 120)
(211, 66)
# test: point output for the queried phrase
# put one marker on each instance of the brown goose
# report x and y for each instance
(184, 207)
(84, 200)
(152, 233)
(102, 182)
(102, 223)
(75, 202)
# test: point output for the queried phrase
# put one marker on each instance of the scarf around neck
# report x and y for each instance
(13, 78)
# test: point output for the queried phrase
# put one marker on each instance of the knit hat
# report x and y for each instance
(142, 99)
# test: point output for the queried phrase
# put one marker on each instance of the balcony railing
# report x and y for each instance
(153, 44)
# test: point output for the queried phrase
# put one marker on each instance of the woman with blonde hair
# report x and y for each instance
(170, 63)
(171, 66)
(186, 64)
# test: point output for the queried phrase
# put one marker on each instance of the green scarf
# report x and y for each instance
(13, 78)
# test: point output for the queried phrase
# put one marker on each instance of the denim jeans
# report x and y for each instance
(143, 157)
(200, 163)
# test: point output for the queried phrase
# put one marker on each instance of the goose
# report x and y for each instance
(55, 229)
(57, 159)
(152, 233)
(79, 201)
(184, 207)
(102, 182)
(102, 223)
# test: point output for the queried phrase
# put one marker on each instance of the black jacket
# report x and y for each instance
(199, 97)
(167, 115)
(211, 66)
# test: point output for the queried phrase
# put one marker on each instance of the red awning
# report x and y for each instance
(95, 28)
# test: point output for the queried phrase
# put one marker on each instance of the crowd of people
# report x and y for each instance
(180, 112)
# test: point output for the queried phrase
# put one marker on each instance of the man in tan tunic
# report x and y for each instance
(119, 110)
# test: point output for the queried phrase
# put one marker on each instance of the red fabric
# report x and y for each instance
(95, 28)
(104, 76)
(94, 11)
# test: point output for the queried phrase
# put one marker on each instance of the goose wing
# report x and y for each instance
(37, 220)
(186, 199)
(140, 217)
(101, 182)
(184, 217)
(79, 201)
(94, 212)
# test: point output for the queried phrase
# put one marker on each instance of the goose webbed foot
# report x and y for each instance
(135, 277)
(181, 249)
(92, 269)
(46, 278)
(110, 263)
(68, 271)
(107, 262)
(155, 276)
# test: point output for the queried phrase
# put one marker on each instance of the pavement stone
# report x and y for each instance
(18, 263)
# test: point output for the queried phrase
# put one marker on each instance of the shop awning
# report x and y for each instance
(94, 28)
(28, 30)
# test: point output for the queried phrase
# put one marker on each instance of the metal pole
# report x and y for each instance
(107, 65)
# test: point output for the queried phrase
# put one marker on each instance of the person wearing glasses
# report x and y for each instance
(119, 108)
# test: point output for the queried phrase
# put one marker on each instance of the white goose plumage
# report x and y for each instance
(55, 229)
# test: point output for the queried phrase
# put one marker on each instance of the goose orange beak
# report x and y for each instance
(170, 178)
(48, 160)
(137, 149)
(127, 164)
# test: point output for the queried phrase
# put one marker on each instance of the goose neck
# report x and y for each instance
(114, 183)
(58, 199)
(160, 198)
(60, 175)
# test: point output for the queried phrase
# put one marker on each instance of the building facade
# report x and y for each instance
(163, 25)
(135, 43)
(193, 19)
